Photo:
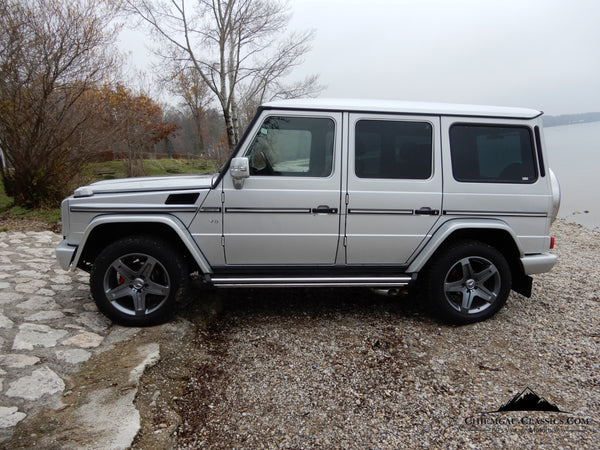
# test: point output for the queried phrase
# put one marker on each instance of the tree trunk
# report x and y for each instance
(231, 137)
(235, 122)
(198, 119)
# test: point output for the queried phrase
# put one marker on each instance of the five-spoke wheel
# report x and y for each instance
(468, 281)
(136, 281)
(472, 285)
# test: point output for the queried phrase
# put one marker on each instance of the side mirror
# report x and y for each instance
(239, 170)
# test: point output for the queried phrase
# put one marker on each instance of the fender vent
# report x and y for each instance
(182, 199)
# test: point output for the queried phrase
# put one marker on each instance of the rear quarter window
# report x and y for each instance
(492, 154)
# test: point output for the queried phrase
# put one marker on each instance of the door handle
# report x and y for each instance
(426, 211)
(324, 209)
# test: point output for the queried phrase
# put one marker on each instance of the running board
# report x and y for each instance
(241, 281)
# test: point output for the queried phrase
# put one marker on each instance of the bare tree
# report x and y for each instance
(237, 47)
(51, 53)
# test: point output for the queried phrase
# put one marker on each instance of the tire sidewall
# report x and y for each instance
(158, 249)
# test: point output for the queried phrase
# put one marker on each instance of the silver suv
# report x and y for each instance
(454, 201)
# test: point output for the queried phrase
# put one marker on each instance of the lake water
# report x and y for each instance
(574, 153)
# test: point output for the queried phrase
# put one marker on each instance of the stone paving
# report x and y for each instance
(49, 325)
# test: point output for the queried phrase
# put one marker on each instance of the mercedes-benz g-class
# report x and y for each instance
(454, 201)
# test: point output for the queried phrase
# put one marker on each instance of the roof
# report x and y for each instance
(402, 107)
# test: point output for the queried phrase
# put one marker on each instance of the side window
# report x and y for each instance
(293, 146)
(492, 154)
(393, 149)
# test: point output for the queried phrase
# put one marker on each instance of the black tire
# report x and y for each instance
(467, 281)
(137, 280)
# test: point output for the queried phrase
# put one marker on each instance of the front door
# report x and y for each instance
(288, 211)
(394, 193)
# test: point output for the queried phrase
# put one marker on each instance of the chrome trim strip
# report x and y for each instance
(310, 281)
(210, 209)
(269, 210)
(495, 213)
(133, 208)
(407, 212)
(292, 285)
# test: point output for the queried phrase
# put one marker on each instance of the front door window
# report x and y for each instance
(293, 146)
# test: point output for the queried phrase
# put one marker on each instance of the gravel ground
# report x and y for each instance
(349, 369)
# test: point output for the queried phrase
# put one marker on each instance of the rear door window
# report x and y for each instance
(389, 149)
(492, 154)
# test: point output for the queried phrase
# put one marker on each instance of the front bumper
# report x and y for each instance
(538, 263)
(65, 253)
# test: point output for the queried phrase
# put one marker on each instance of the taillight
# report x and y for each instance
(551, 242)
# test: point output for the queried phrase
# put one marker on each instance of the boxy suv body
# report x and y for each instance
(453, 200)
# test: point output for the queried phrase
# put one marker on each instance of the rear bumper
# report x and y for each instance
(65, 253)
(539, 263)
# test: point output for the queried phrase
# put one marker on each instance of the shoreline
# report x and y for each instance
(584, 218)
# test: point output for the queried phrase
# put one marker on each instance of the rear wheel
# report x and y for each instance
(136, 281)
(468, 281)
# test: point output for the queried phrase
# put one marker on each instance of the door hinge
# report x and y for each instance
(345, 241)
(222, 197)
(347, 198)
(222, 241)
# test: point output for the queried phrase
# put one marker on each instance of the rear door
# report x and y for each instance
(394, 186)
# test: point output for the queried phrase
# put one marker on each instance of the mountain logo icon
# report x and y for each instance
(528, 400)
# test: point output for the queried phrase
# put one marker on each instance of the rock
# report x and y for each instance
(73, 356)
(45, 315)
(36, 335)
(84, 340)
(41, 382)
(38, 302)
(151, 354)
(5, 322)
(10, 416)
(18, 361)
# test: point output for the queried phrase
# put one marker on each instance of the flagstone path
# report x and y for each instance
(48, 325)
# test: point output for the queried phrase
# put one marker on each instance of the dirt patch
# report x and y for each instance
(163, 387)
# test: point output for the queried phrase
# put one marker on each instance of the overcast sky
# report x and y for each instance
(542, 54)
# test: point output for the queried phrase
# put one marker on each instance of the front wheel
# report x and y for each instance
(137, 280)
(468, 281)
